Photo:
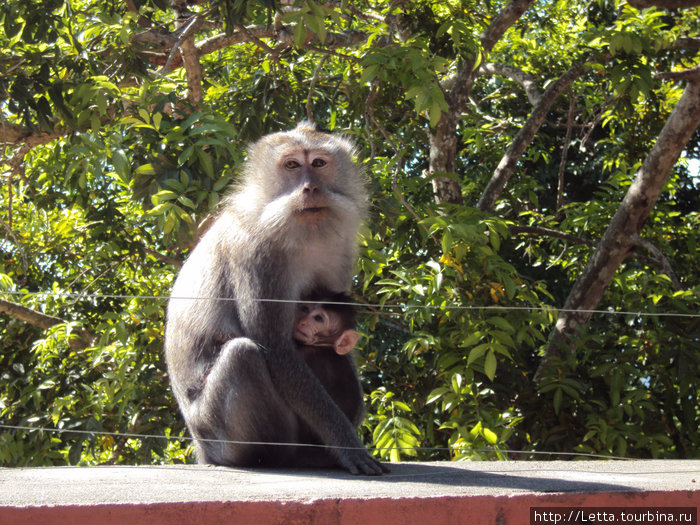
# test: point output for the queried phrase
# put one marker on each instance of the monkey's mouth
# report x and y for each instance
(301, 336)
(314, 210)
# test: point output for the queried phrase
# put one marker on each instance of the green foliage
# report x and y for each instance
(458, 298)
(633, 399)
(124, 167)
(413, 67)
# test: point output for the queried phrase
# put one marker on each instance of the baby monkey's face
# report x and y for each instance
(317, 326)
(320, 326)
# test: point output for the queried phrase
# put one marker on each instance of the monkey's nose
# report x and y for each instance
(310, 188)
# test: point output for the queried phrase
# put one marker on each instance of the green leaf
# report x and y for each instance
(369, 73)
(471, 339)
(169, 224)
(163, 196)
(186, 202)
(490, 436)
(206, 162)
(401, 406)
(435, 113)
(557, 400)
(476, 352)
(316, 25)
(221, 183)
(501, 323)
(299, 36)
(436, 394)
(490, 365)
(121, 165)
(145, 169)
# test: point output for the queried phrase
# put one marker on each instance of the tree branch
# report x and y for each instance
(565, 151)
(142, 21)
(687, 43)
(156, 38)
(16, 134)
(593, 124)
(190, 59)
(282, 35)
(162, 257)
(692, 74)
(622, 234)
(522, 140)
(443, 141)
(262, 45)
(664, 4)
(309, 96)
(369, 112)
(528, 82)
(548, 232)
(658, 260)
(459, 93)
(191, 27)
(34, 318)
(43, 321)
(11, 234)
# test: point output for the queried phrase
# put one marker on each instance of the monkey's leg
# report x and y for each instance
(239, 403)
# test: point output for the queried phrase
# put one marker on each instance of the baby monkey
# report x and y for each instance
(328, 323)
(325, 334)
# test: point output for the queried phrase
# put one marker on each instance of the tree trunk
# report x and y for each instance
(443, 159)
(623, 232)
(443, 141)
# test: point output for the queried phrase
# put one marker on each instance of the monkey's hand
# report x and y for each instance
(359, 462)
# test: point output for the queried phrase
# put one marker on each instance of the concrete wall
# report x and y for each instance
(426, 493)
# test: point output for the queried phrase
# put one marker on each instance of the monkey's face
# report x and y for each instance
(308, 177)
(300, 185)
(317, 326)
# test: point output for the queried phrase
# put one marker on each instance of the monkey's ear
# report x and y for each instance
(346, 342)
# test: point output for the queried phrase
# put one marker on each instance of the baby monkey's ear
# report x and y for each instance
(346, 342)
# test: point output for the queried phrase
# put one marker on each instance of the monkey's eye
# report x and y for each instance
(318, 318)
(318, 163)
(291, 164)
(304, 309)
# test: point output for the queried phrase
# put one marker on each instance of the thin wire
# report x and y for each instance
(545, 308)
(269, 443)
(356, 304)
(159, 436)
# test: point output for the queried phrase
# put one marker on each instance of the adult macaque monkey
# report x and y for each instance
(326, 335)
(290, 227)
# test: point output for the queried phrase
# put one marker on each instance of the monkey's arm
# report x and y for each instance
(338, 375)
(310, 401)
(270, 324)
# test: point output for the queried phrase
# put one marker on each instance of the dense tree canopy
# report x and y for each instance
(530, 267)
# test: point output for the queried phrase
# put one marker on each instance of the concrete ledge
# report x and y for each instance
(474, 493)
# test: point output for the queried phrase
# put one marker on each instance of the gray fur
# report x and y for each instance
(234, 368)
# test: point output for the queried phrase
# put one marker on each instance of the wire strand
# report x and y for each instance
(133, 435)
(543, 308)
(548, 308)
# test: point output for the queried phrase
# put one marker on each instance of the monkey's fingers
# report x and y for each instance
(361, 463)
